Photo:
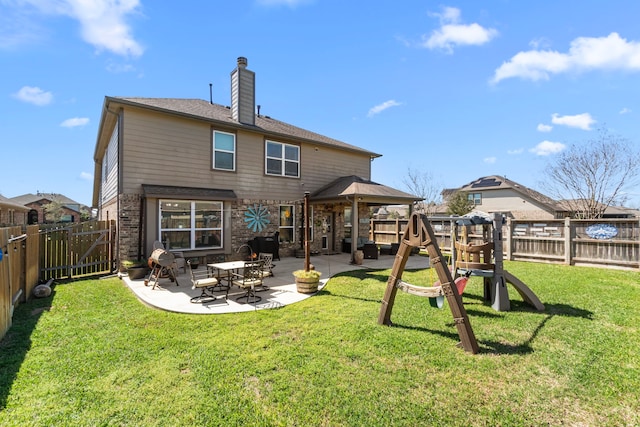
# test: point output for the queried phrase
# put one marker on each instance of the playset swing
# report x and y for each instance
(469, 259)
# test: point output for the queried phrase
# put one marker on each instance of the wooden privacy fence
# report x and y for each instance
(613, 243)
(18, 269)
(600, 242)
(78, 250)
(36, 253)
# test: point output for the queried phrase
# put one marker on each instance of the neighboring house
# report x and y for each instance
(204, 178)
(577, 207)
(12, 213)
(498, 194)
(71, 211)
(392, 212)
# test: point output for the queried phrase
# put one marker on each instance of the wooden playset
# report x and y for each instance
(469, 258)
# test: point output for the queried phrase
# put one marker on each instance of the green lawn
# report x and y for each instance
(92, 354)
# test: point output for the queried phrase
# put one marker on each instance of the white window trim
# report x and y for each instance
(215, 150)
(282, 159)
(472, 197)
(293, 224)
(192, 226)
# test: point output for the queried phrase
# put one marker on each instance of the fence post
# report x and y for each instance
(508, 240)
(568, 240)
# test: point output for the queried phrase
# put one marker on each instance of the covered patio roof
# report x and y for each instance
(353, 188)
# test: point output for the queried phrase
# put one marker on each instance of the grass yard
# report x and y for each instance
(92, 354)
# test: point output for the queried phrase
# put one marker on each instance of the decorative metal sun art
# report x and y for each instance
(256, 217)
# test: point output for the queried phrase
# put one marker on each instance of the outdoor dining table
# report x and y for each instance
(226, 268)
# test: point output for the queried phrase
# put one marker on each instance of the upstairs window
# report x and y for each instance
(282, 159)
(224, 151)
(475, 198)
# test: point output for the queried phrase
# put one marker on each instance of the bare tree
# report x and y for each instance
(459, 204)
(589, 177)
(422, 184)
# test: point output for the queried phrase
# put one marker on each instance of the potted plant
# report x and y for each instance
(307, 281)
(135, 269)
(194, 262)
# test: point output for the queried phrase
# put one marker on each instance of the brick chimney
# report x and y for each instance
(243, 93)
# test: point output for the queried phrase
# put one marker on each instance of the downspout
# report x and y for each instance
(141, 232)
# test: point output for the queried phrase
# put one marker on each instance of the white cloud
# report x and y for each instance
(516, 151)
(585, 53)
(34, 95)
(546, 148)
(452, 33)
(381, 107)
(86, 176)
(74, 122)
(581, 121)
(544, 128)
(102, 22)
(490, 160)
(625, 110)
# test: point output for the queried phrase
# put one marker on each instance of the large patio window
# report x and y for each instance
(287, 221)
(282, 159)
(191, 224)
(224, 150)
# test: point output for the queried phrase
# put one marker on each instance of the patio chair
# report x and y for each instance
(204, 281)
(249, 280)
(267, 271)
(370, 251)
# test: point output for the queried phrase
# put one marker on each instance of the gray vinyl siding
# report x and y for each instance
(167, 150)
(109, 188)
(506, 199)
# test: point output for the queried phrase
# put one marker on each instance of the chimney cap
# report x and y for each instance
(242, 61)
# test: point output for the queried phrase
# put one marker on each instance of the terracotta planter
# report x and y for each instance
(307, 286)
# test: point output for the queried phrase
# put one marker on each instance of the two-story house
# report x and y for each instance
(205, 178)
(498, 194)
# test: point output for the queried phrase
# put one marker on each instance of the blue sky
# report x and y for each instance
(458, 89)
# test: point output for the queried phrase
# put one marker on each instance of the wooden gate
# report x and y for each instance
(77, 250)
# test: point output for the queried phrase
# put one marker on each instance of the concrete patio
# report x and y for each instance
(282, 289)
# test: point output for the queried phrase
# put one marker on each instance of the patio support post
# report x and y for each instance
(355, 229)
(307, 252)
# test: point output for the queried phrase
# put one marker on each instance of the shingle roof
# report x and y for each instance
(495, 182)
(52, 197)
(200, 109)
(355, 186)
(7, 203)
